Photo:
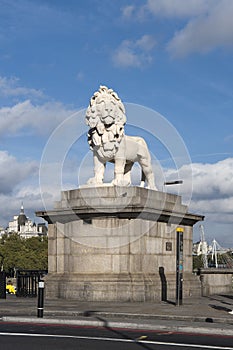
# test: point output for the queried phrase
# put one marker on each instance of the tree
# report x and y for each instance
(20, 253)
(197, 262)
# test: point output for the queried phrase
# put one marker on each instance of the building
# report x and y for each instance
(22, 225)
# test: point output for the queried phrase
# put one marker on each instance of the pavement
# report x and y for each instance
(213, 314)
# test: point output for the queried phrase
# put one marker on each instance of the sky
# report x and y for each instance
(170, 61)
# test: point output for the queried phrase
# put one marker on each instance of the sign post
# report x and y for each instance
(179, 265)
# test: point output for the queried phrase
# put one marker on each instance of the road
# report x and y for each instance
(55, 337)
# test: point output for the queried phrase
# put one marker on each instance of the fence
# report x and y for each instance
(27, 282)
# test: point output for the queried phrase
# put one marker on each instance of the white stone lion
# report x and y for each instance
(106, 118)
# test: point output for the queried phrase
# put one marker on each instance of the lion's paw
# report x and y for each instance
(122, 183)
(93, 181)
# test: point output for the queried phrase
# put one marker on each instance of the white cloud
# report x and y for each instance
(11, 203)
(125, 56)
(134, 53)
(12, 172)
(212, 188)
(146, 43)
(179, 8)
(204, 24)
(213, 180)
(132, 12)
(9, 87)
(212, 197)
(29, 113)
(19, 182)
(40, 118)
(205, 33)
(127, 11)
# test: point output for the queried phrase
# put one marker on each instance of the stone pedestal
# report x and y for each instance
(110, 243)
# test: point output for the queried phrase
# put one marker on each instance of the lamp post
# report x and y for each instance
(175, 182)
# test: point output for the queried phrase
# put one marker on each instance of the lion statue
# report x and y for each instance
(106, 118)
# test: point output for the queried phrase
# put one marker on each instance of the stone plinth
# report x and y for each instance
(109, 243)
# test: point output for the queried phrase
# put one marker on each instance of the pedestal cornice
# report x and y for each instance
(120, 202)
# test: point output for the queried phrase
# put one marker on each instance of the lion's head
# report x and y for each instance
(106, 119)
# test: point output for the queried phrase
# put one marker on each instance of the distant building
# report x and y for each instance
(22, 225)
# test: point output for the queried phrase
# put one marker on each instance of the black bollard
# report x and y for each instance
(163, 284)
(40, 307)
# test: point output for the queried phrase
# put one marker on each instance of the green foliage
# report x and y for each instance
(21, 253)
(197, 262)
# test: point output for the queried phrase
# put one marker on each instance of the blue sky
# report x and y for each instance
(171, 56)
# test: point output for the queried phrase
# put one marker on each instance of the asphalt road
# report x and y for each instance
(45, 336)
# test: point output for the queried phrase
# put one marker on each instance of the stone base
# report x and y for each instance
(111, 244)
(118, 287)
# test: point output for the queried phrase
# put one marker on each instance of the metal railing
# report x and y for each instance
(28, 281)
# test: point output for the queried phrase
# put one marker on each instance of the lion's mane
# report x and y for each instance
(106, 118)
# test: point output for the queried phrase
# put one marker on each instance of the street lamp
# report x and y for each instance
(176, 182)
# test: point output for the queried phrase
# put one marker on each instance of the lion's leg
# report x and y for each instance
(127, 173)
(144, 160)
(149, 177)
(99, 168)
(151, 181)
(147, 172)
(119, 172)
